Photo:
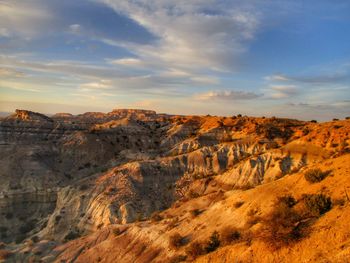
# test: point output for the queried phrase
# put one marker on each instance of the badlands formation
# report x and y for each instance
(137, 186)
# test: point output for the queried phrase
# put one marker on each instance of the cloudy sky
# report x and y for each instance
(287, 58)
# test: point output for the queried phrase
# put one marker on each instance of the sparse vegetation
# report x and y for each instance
(230, 235)
(195, 249)
(282, 224)
(195, 212)
(238, 204)
(213, 243)
(116, 231)
(28, 226)
(315, 175)
(317, 204)
(156, 217)
(176, 240)
(72, 235)
(83, 187)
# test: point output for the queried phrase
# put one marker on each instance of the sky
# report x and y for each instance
(286, 58)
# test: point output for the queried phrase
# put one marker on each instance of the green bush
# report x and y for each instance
(315, 175)
(317, 204)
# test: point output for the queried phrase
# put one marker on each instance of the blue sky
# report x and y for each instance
(282, 58)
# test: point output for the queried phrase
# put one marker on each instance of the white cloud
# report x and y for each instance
(277, 77)
(103, 84)
(227, 95)
(75, 28)
(126, 62)
(19, 86)
(283, 91)
(23, 18)
(193, 35)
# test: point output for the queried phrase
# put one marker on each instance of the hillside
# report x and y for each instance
(137, 186)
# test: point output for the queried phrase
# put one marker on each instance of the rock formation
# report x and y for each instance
(87, 177)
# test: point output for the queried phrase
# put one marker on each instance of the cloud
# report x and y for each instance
(75, 28)
(19, 86)
(65, 67)
(277, 77)
(321, 79)
(283, 91)
(23, 18)
(4, 32)
(226, 95)
(211, 34)
(9, 72)
(100, 85)
(326, 76)
(126, 62)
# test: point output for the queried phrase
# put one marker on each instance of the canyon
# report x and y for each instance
(115, 187)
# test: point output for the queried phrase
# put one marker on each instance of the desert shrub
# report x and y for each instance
(213, 243)
(139, 217)
(347, 118)
(117, 231)
(177, 259)
(315, 175)
(4, 254)
(230, 235)
(317, 204)
(313, 121)
(252, 220)
(58, 218)
(335, 119)
(27, 227)
(156, 217)
(9, 216)
(176, 240)
(83, 187)
(282, 224)
(287, 200)
(19, 238)
(195, 249)
(35, 239)
(238, 204)
(195, 212)
(72, 235)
